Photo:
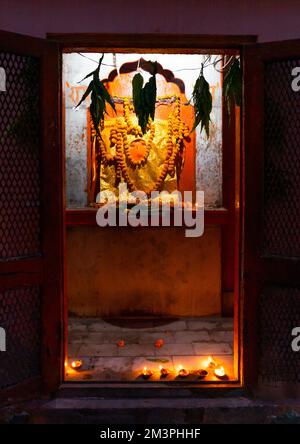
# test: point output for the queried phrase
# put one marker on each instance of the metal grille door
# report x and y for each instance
(272, 213)
(281, 228)
(31, 222)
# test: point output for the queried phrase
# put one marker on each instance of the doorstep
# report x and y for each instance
(237, 410)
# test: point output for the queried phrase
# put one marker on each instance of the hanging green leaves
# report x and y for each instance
(232, 85)
(99, 97)
(202, 99)
(144, 98)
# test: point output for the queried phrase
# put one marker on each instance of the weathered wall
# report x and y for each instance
(207, 173)
(269, 19)
(134, 271)
(130, 272)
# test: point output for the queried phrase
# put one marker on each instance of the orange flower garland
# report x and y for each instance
(135, 154)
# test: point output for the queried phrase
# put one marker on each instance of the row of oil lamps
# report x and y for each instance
(218, 370)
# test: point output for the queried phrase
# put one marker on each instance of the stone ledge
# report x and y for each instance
(154, 411)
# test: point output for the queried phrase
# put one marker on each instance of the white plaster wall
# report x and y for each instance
(186, 67)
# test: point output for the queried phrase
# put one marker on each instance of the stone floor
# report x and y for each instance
(187, 342)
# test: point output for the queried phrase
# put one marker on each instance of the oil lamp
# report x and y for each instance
(147, 373)
(220, 372)
(182, 372)
(210, 363)
(164, 372)
(201, 373)
(76, 365)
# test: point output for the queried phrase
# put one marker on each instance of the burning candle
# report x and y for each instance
(147, 373)
(220, 372)
(76, 365)
(164, 372)
(182, 372)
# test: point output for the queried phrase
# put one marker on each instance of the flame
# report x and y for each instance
(209, 362)
(219, 371)
(145, 370)
(160, 367)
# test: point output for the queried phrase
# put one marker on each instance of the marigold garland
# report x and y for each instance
(134, 155)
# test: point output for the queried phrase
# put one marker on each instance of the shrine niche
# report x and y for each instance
(146, 162)
(148, 300)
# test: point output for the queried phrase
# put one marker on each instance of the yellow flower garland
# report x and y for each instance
(124, 152)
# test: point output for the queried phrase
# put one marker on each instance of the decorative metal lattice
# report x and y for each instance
(20, 317)
(19, 158)
(279, 314)
(281, 228)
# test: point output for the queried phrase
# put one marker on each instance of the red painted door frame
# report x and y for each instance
(229, 217)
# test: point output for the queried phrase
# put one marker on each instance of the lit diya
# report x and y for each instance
(182, 372)
(76, 365)
(164, 372)
(220, 372)
(201, 373)
(210, 363)
(147, 373)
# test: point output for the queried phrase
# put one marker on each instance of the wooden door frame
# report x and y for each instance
(183, 44)
(47, 270)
